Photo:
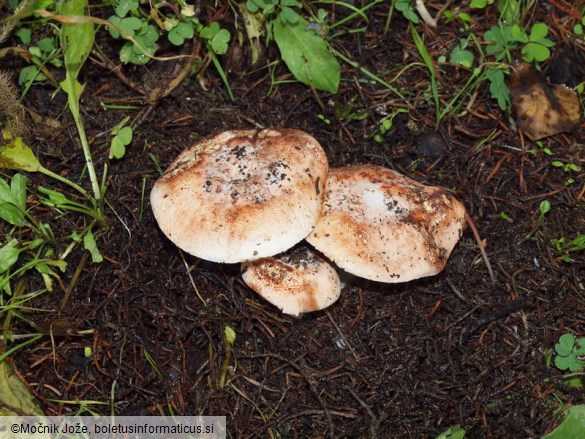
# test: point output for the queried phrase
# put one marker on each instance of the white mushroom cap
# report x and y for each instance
(295, 282)
(242, 195)
(382, 226)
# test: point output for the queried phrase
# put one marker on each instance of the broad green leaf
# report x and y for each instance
(209, 32)
(125, 135)
(73, 88)
(18, 190)
(76, 43)
(24, 34)
(252, 7)
(117, 148)
(563, 350)
(307, 55)
(6, 193)
(47, 273)
(573, 425)
(130, 25)
(59, 201)
(116, 21)
(290, 3)
(147, 44)
(186, 30)
(76, 40)
(480, 4)
(12, 214)
(579, 347)
(90, 245)
(219, 42)
(30, 74)
(539, 30)
(47, 45)
(170, 23)
(518, 34)
(462, 57)
(289, 16)
(568, 341)
(56, 199)
(175, 37)
(17, 155)
(535, 52)
(563, 363)
(150, 33)
(256, 5)
(407, 9)
(498, 88)
(15, 398)
(455, 432)
(127, 55)
(180, 33)
(501, 39)
(124, 6)
(9, 255)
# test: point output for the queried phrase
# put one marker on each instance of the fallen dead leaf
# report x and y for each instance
(542, 109)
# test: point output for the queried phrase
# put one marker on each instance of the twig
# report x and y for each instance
(376, 420)
(191, 278)
(341, 334)
(499, 313)
(481, 244)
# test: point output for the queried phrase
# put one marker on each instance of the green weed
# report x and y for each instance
(386, 124)
(304, 51)
(454, 432)
(122, 137)
(570, 357)
(543, 209)
(229, 338)
(565, 247)
(567, 168)
(44, 52)
(570, 351)
(573, 424)
(76, 43)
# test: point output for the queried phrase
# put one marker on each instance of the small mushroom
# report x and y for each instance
(242, 195)
(296, 282)
(382, 226)
(542, 110)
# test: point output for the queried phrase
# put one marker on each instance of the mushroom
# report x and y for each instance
(382, 226)
(242, 195)
(296, 282)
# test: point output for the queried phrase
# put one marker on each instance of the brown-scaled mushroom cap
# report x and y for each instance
(382, 226)
(242, 195)
(296, 282)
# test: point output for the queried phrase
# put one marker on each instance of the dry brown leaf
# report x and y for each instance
(542, 110)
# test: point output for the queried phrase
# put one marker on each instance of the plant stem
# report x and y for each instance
(88, 160)
(68, 182)
(367, 73)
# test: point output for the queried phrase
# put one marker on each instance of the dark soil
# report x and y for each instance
(388, 361)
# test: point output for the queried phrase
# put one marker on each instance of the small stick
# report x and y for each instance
(481, 245)
(341, 334)
(191, 278)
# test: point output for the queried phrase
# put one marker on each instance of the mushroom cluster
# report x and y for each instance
(248, 196)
